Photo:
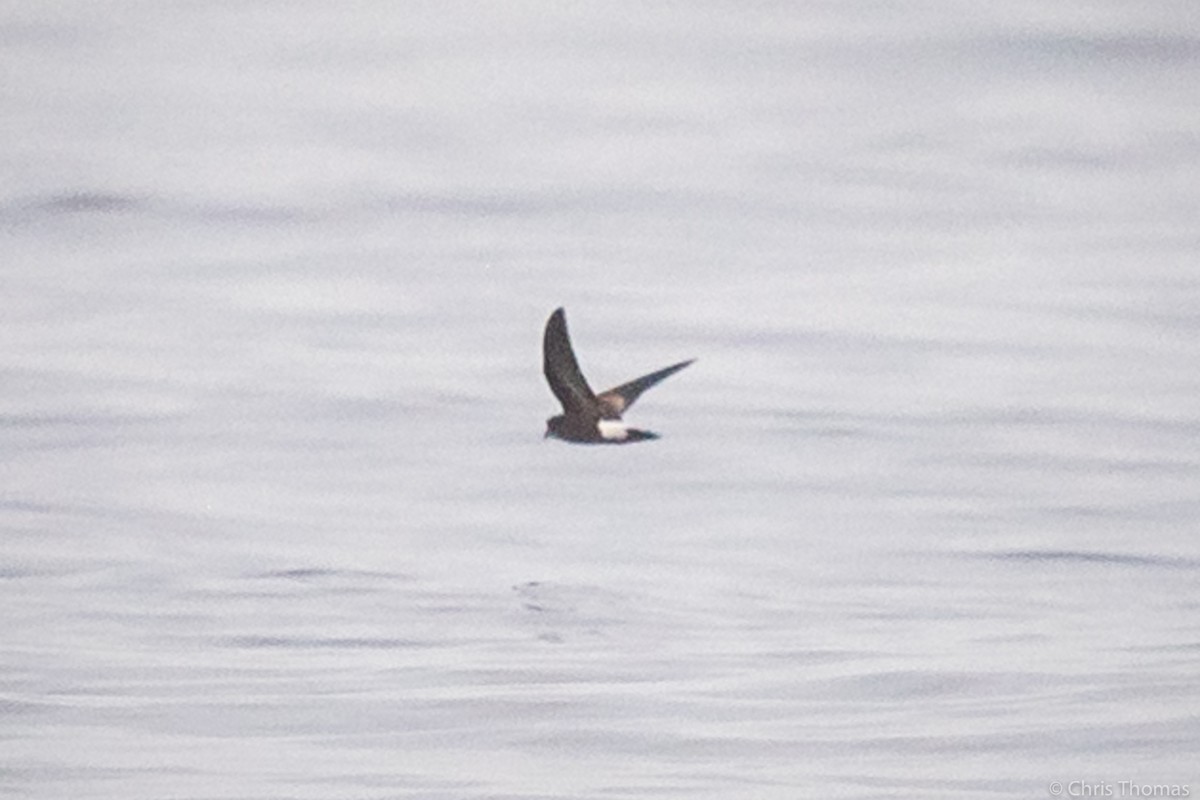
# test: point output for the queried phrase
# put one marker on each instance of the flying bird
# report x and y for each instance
(590, 418)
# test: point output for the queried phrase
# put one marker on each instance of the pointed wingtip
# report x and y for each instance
(557, 321)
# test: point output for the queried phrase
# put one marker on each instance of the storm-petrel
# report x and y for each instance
(590, 418)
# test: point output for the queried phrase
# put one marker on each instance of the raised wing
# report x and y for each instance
(562, 370)
(616, 400)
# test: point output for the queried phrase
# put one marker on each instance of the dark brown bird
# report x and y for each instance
(589, 418)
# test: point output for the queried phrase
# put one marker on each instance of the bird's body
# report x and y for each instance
(589, 418)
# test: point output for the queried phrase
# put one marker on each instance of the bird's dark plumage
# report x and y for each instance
(588, 417)
(561, 368)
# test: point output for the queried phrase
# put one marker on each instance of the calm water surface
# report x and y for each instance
(276, 516)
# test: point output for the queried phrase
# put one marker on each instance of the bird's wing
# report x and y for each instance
(617, 399)
(562, 370)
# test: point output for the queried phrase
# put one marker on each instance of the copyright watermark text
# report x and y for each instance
(1118, 789)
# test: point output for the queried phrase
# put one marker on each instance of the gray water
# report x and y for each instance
(276, 515)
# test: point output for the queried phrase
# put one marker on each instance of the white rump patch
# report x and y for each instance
(612, 429)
